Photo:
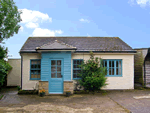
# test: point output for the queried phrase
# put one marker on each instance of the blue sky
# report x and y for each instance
(127, 19)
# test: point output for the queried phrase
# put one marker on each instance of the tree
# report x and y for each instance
(92, 74)
(9, 19)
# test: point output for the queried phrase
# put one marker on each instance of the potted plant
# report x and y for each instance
(42, 92)
(68, 93)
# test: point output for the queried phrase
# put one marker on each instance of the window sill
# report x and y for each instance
(76, 78)
(113, 75)
(35, 79)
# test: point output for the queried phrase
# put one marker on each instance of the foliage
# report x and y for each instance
(92, 74)
(3, 52)
(1, 97)
(9, 19)
(4, 68)
(28, 92)
(18, 87)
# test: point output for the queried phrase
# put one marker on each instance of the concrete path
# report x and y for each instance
(127, 100)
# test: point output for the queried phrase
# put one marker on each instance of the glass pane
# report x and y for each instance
(36, 66)
(32, 71)
(53, 68)
(39, 76)
(53, 75)
(39, 71)
(36, 72)
(58, 75)
(77, 76)
(105, 63)
(112, 63)
(35, 76)
(78, 71)
(32, 66)
(32, 75)
(119, 71)
(116, 71)
(119, 64)
(78, 66)
(78, 61)
(109, 63)
(39, 66)
(39, 62)
(113, 71)
(58, 69)
(74, 61)
(74, 75)
(74, 66)
(109, 71)
(53, 62)
(116, 63)
(58, 62)
(81, 61)
(74, 71)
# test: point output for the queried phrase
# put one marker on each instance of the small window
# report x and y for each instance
(114, 67)
(35, 69)
(76, 68)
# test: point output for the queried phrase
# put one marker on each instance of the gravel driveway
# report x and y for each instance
(78, 103)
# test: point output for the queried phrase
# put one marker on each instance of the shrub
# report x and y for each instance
(18, 87)
(27, 92)
(92, 74)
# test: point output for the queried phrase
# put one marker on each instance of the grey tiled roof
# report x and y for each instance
(81, 43)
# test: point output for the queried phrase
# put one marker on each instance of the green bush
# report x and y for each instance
(18, 87)
(92, 74)
(26, 92)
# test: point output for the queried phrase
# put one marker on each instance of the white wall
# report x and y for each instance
(127, 79)
(28, 84)
(14, 75)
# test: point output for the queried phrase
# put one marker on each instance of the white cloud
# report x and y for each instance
(21, 28)
(45, 32)
(88, 35)
(142, 3)
(32, 25)
(32, 18)
(84, 20)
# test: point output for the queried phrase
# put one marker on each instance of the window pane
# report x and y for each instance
(109, 71)
(105, 63)
(116, 63)
(39, 66)
(74, 66)
(58, 62)
(74, 61)
(74, 71)
(78, 66)
(35, 76)
(32, 66)
(117, 71)
(35, 72)
(39, 76)
(119, 64)
(112, 71)
(32, 71)
(112, 63)
(109, 63)
(39, 71)
(58, 69)
(39, 62)
(78, 71)
(53, 75)
(53, 62)
(58, 75)
(53, 68)
(78, 61)
(36, 66)
(77, 76)
(32, 75)
(74, 76)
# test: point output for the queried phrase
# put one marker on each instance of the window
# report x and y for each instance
(35, 69)
(76, 68)
(114, 67)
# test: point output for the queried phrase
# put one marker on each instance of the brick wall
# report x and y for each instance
(44, 85)
(68, 86)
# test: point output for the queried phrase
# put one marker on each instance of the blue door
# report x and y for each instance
(56, 76)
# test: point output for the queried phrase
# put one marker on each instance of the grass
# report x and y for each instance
(1, 97)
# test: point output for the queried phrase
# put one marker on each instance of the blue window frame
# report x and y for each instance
(76, 68)
(114, 67)
(35, 69)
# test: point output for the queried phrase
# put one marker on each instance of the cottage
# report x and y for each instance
(51, 62)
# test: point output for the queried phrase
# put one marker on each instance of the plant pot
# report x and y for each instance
(42, 94)
(68, 94)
